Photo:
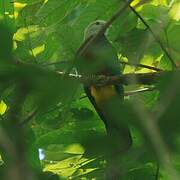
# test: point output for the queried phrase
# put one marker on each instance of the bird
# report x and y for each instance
(100, 58)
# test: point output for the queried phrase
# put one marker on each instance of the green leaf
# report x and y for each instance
(55, 11)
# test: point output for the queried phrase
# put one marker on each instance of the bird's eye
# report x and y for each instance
(97, 23)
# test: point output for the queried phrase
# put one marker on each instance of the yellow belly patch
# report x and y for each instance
(103, 93)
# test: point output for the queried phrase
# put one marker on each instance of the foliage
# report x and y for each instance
(45, 35)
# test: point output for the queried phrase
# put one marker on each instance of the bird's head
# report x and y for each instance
(93, 28)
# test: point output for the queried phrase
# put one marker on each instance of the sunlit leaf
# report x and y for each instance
(3, 107)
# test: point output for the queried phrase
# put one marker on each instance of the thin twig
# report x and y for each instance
(155, 37)
(142, 90)
(167, 41)
(82, 97)
(141, 65)
(29, 117)
(157, 172)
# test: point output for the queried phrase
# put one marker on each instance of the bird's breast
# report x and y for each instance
(103, 93)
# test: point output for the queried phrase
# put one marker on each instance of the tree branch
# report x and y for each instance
(155, 37)
(126, 79)
(99, 80)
